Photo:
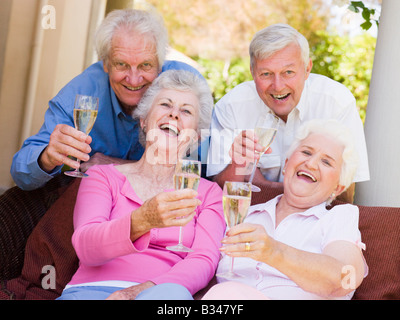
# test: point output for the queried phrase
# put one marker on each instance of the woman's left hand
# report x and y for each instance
(130, 293)
(248, 240)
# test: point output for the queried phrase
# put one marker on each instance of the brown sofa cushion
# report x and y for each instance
(380, 231)
(48, 245)
(20, 211)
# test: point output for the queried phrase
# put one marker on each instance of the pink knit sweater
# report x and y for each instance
(102, 235)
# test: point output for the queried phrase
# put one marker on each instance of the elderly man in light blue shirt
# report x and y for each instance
(131, 58)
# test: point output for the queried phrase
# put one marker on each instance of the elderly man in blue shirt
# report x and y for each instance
(131, 45)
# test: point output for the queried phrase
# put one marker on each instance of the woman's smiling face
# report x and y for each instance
(172, 122)
(312, 172)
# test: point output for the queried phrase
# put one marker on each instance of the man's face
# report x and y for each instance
(132, 66)
(280, 79)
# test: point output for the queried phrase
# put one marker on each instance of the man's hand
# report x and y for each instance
(65, 141)
(243, 151)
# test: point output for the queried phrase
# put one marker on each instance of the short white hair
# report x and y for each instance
(145, 23)
(276, 37)
(180, 80)
(342, 135)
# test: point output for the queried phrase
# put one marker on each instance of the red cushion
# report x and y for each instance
(49, 245)
(380, 231)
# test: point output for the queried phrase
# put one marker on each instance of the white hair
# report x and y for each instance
(342, 135)
(273, 38)
(180, 80)
(145, 23)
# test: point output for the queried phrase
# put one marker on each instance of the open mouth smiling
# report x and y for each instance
(306, 176)
(280, 97)
(170, 129)
(133, 88)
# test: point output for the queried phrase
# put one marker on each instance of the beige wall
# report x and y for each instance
(37, 62)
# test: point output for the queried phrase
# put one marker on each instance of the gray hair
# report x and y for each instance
(145, 23)
(180, 80)
(273, 38)
(342, 135)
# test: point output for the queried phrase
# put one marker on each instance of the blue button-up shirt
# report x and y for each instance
(114, 133)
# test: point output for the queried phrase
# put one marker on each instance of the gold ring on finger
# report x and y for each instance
(247, 246)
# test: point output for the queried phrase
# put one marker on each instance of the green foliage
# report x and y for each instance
(367, 14)
(347, 60)
(221, 81)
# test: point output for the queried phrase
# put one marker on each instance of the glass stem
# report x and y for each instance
(231, 265)
(180, 234)
(79, 161)
(254, 170)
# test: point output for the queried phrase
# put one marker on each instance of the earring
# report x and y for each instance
(283, 171)
(144, 129)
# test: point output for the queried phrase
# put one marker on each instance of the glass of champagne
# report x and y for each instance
(266, 129)
(187, 175)
(85, 114)
(236, 198)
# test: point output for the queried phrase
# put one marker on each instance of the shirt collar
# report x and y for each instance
(270, 206)
(117, 108)
(302, 105)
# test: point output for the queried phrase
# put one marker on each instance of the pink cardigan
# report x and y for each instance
(102, 228)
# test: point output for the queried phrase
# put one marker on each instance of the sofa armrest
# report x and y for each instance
(20, 211)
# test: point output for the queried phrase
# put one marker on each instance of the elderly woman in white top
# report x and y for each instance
(292, 247)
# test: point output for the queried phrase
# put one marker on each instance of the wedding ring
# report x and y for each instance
(247, 246)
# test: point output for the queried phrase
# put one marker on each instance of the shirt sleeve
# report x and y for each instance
(25, 168)
(197, 269)
(98, 238)
(341, 223)
(350, 117)
(221, 139)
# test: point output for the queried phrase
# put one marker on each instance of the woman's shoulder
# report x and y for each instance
(206, 183)
(342, 212)
(109, 171)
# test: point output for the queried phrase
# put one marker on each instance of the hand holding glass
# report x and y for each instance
(236, 198)
(266, 129)
(187, 175)
(85, 114)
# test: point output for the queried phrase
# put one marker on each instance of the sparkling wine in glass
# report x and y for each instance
(266, 129)
(187, 175)
(85, 114)
(236, 200)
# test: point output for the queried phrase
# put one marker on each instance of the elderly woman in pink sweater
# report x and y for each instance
(126, 215)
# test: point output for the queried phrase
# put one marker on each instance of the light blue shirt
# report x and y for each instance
(114, 133)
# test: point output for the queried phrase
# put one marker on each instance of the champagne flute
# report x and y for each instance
(187, 175)
(266, 129)
(85, 114)
(236, 198)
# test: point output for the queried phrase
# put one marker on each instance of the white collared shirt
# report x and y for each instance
(322, 98)
(310, 231)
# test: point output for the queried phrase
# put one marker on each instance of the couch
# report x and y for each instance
(36, 228)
